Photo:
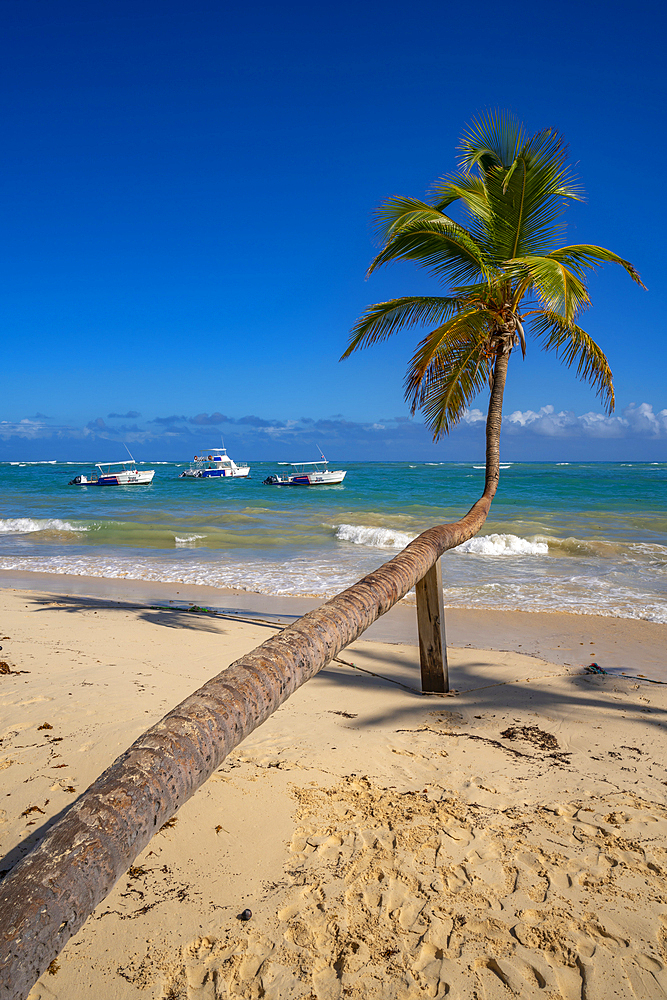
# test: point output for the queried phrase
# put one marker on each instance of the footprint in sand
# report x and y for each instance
(199, 975)
(400, 896)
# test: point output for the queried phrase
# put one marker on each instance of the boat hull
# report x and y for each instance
(332, 478)
(216, 466)
(140, 478)
(241, 472)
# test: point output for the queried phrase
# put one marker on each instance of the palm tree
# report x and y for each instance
(512, 271)
(504, 267)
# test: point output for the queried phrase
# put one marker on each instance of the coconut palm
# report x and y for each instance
(507, 274)
(505, 269)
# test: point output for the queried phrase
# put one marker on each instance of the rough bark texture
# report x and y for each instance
(494, 421)
(47, 897)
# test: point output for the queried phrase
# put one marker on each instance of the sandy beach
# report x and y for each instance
(506, 840)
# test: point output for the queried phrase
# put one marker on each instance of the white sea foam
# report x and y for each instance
(585, 596)
(377, 538)
(626, 590)
(615, 567)
(482, 545)
(502, 545)
(562, 463)
(297, 577)
(186, 541)
(27, 525)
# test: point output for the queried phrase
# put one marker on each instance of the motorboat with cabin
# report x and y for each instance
(218, 465)
(308, 474)
(115, 474)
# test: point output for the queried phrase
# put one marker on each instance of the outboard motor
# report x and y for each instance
(270, 480)
(75, 482)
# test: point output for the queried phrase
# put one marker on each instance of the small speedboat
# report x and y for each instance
(216, 466)
(308, 474)
(115, 474)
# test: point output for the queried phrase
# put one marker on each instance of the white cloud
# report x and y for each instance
(638, 421)
(642, 419)
(23, 429)
(528, 432)
(35, 430)
(546, 421)
(472, 416)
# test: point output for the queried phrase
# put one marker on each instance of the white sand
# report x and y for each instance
(510, 840)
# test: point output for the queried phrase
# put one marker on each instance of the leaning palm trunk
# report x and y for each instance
(49, 895)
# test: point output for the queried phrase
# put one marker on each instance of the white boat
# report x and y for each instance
(115, 474)
(308, 474)
(216, 466)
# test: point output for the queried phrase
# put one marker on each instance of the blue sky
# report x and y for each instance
(186, 215)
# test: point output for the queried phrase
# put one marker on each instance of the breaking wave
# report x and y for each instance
(503, 545)
(377, 538)
(27, 525)
(588, 549)
(186, 541)
(482, 545)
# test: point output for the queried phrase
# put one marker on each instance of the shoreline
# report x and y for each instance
(621, 645)
(563, 540)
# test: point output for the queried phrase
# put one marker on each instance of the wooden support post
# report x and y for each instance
(431, 625)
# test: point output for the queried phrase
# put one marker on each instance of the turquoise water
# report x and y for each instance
(582, 537)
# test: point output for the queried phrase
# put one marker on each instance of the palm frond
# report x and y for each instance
(394, 213)
(469, 327)
(453, 379)
(445, 249)
(491, 142)
(467, 188)
(559, 289)
(487, 294)
(383, 319)
(525, 193)
(572, 345)
(585, 255)
(503, 265)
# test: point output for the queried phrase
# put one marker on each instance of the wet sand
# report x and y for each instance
(618, 644)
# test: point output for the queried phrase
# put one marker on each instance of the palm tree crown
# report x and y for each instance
(503, 266)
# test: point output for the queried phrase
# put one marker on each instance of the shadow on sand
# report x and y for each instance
(521, 684)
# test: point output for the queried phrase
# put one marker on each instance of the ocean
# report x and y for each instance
(588, 538)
